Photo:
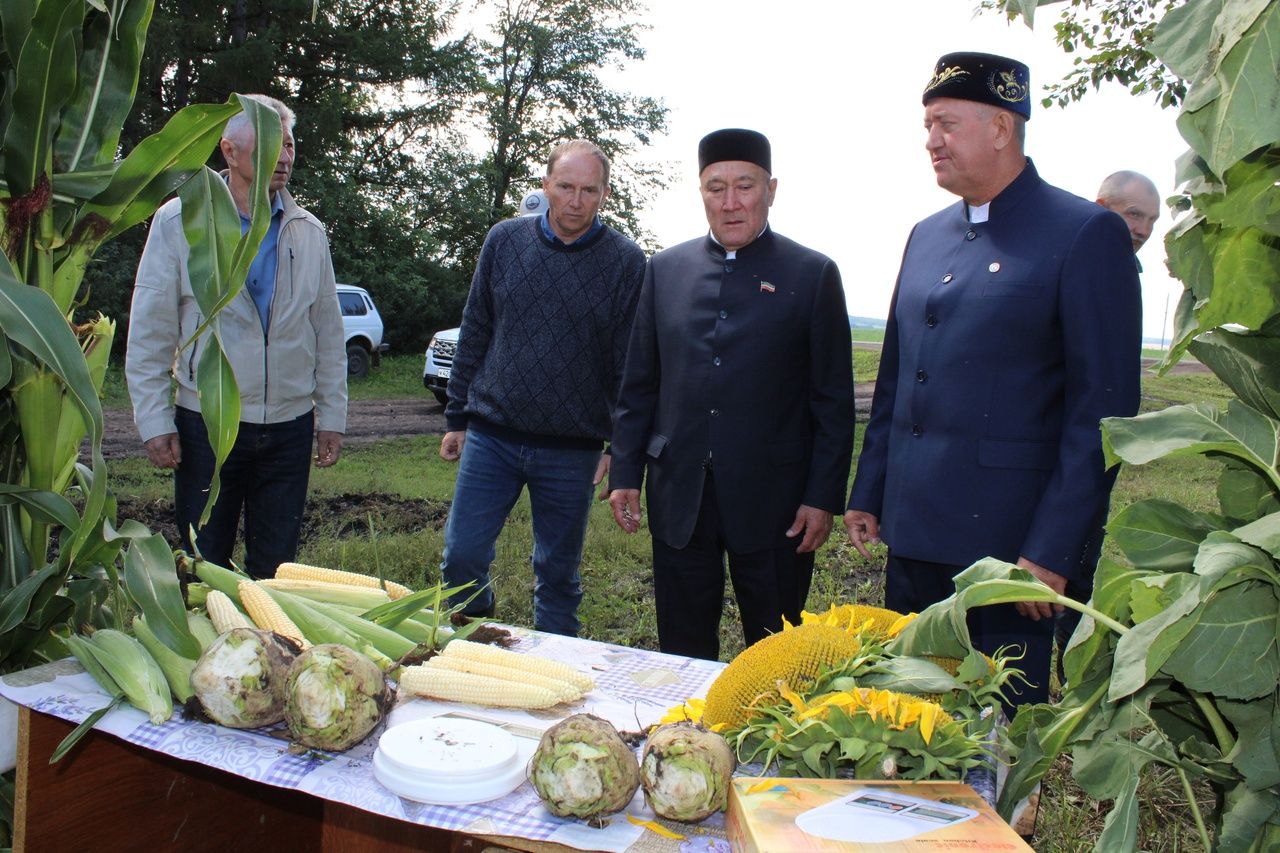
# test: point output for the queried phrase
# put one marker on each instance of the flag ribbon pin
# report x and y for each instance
(766, 287)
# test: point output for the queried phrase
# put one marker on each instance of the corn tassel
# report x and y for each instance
(435, 683)
(301, 571)
(267, 615)
(517, 660)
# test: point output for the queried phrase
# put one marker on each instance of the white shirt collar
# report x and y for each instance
(979, 214)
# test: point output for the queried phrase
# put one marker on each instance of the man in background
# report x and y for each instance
(736, 410)
(539, 358)
(1014, 328)
(292, 391)
(1135, 198)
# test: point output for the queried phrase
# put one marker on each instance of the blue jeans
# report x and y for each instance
(265, 478)
(491, 473)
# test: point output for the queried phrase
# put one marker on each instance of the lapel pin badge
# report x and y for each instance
(766, 287)
(995, 267)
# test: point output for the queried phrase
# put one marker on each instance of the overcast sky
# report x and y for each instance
(836, 87)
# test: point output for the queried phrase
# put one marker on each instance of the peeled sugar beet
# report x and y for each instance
(685, 771)
(335, 696)
(583, 769)
(240, 679)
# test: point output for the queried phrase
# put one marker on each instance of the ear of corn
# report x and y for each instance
(79, 647)
(564, 691)
(135, 672)
(345, 594)
(439, 683)
(224, 580)
(223, 612)
(300, 571)
(385, 640)
(267, 615)
(202, 628)
(176, 668)
(319, 627)
(522, 662)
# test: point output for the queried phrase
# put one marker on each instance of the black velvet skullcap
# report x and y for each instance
(734, 143)
(982, 77)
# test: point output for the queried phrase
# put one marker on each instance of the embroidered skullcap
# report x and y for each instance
(982, 77)
(734, 143)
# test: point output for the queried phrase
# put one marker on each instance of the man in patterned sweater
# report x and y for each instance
(540, 356)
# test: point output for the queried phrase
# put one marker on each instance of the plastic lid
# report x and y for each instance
(450, 761)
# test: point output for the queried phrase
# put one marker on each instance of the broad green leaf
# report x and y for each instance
(15, 25)
(1249, 364)
(1257, 750)
(1231, 649)
(1144, 648)
(16, 604)
(1224, 553)
(1244, 493)
(1239, 117)
(1183, 35)
(48, 506)
(91, 122)
(1027, 9)
(158, 166)
(152, 580)
(81, 186)
(1263, 533)
(911, 675)
(1091, 648)
(220, 410)
(212, 227)
(1243, 255)
(1241, 432)
(1159, 535)
(1245, 818)
(1249, 199)
(46, 74)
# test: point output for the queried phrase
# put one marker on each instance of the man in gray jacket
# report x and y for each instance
(283, 336)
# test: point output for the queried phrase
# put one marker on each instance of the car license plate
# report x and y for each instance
(443, 373)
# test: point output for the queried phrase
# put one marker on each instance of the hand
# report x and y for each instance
(1037, 610)
(816, 524)
(328, 447)
(164, 451)
(451, 445)
(601, 478)
(864, 530)
(626, 508)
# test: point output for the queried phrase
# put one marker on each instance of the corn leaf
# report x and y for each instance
(220, 410)
(47, 506)
(74, 736)
(46, 74)
(152, 581)
(15, 605)
(91, 121)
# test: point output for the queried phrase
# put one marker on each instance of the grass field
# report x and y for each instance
(383, 508)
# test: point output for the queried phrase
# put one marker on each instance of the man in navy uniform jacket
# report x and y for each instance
(737, 400)
(1015, 327)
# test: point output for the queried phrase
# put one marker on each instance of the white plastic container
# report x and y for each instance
(451, 762)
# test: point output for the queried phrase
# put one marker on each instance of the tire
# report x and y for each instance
(441, 397)
(358, 359)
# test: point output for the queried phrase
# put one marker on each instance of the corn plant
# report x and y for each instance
(1176, 663)
(69, 71)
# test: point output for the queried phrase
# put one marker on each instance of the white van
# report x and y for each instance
(363, 327)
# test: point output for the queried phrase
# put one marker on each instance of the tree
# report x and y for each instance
(1114, 37)
(542, 85)
(1178, 665)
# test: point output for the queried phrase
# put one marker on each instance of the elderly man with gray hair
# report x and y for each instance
(283, 335)
(1135, 198)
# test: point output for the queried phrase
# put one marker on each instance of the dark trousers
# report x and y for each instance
(912, 585)
(688, 586)
(265, 478)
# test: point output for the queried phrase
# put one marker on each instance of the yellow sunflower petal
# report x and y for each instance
(655, 827)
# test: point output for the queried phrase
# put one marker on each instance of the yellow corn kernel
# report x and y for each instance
(223, 612)
(303, 572)
(440, 683)
(266, 614)
(517, 660)
(565, 691)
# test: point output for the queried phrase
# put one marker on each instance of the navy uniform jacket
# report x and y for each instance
(747, 363)
(1007, 342)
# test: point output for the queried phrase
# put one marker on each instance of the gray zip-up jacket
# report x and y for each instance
(298, 364)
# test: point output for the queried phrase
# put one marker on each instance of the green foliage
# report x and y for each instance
(1177, 661)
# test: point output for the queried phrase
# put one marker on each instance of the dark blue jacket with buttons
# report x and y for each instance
(1007, 342)
(745, 363)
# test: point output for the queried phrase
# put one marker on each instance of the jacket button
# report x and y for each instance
(931, 320)
(715, 413)
(716, 361)
(724, 315)
(946, 279)
(921, 376)
(970, 234)
(917, 430)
